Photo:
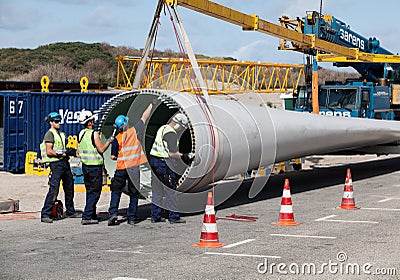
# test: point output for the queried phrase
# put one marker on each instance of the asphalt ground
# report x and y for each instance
(329, 243)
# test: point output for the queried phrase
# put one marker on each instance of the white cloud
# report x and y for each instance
(103, 17)
(14, 18)
(266, 51)
(252, 49)
(127, 22)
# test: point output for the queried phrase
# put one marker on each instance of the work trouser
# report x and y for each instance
(163, 184)
(93, 178)
(59, 170)
(118, 185)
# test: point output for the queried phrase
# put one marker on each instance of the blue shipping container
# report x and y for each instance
(22, 125)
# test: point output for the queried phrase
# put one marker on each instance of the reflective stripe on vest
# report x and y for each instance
(160, 147)
(130, 150)
(58, 144)
(87, 152)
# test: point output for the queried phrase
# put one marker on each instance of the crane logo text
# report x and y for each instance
(352, 39)
(335, 114)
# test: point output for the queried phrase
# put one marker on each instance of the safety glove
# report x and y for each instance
(71, 152)
(188, 158)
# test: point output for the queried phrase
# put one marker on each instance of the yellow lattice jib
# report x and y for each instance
(220, 76)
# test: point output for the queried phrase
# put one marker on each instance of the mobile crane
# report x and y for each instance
(331, 29)
(306, 37)
(375, 95)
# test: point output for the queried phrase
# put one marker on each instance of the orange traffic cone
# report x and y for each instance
(209, 233)
(286, 217)
(348, 202)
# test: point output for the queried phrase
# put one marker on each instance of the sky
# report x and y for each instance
(32, 23)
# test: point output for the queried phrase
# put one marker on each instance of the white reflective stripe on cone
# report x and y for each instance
(348, 195)
(286, 209)
(209, 227)
(286, 193)
(209, 210)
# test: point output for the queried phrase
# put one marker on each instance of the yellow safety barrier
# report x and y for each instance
(282, 166)
(34, 166)
(72, 142)
(297, 165)
(79, 188)
(289, 165)
(79, 185)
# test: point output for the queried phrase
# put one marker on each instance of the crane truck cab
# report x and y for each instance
(354, 98)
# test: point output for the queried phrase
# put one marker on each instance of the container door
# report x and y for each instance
(14, 132)
(2, 116)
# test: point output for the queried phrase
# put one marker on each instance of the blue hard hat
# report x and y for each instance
(121, 121)
(53, 116)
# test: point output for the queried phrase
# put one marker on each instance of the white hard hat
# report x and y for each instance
(180, 119)
(85, 116)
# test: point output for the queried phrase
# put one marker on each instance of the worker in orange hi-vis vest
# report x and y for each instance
(127, 150)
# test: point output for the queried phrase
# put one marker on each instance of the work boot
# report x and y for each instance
(46, 220)
(132, 222)
(180, 221)
(112, 221)
(89, 222)
(161, 220)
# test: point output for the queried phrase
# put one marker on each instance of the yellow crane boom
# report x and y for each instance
(305, 42)
(254, 23)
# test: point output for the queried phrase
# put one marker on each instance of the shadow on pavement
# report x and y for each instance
(307, 180)
(300, 181)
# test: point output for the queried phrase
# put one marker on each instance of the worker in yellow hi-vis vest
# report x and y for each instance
(91, 149)
(55, 154)
(163, 156)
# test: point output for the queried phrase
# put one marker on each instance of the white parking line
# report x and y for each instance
(325, 218)
(344, 221)
(238, 243)
(303, 236)
(127, 278)
(242, 255)
(381, 209)
(360, 222)
(388, 199)
(122, 251)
